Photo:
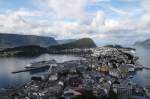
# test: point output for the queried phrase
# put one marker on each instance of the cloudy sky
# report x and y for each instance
(105, 21)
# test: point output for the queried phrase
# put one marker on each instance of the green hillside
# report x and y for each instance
(80, 43)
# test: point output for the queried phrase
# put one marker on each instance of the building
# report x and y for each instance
(124, 91)
(114, 73)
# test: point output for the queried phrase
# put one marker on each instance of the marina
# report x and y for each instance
(9, 65)
(70, 79)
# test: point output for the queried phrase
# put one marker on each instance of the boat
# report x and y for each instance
(41, 64)
(32, 69)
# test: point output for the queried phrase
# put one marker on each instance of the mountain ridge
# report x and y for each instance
(80, 43)
(34, 50)
(14, 40)
(145, 43)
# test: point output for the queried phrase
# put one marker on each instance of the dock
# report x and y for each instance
(31, 69)
(147, 68)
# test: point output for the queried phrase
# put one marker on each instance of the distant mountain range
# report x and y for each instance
(23, 51)
(35, 48)
(119, 47)
(145, 43)
(80, 43)
(15, 40)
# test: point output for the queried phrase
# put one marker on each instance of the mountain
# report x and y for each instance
(15, 40)
(80, 43)
(31, 50)
(145, 43)
(119, 47)
(113, 46)
(65, 41)
(35, 50)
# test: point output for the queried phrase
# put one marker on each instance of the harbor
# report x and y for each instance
(75, 49)
(105, 74)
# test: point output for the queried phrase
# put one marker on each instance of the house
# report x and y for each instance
(53, 77)
(124, 91)
(61, 83)
(114, 73)
(130, 67)
(75, 81)
(69, 93)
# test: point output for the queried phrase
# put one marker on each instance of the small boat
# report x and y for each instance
(131, 76)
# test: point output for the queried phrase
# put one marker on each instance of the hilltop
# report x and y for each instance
(80, 43)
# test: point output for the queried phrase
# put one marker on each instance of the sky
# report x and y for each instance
(105, 21)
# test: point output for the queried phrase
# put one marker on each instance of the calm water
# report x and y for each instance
(143, 77)
(7, 65)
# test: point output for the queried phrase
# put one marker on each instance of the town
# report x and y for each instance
(102, 73)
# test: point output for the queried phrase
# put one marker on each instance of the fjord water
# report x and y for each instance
(143, 77)
(8, 65)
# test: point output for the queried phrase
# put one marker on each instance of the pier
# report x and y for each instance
(147, 68)
(31, 69)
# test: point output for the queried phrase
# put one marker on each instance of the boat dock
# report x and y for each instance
(142, 67)
(147, 68)
(31, 69)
